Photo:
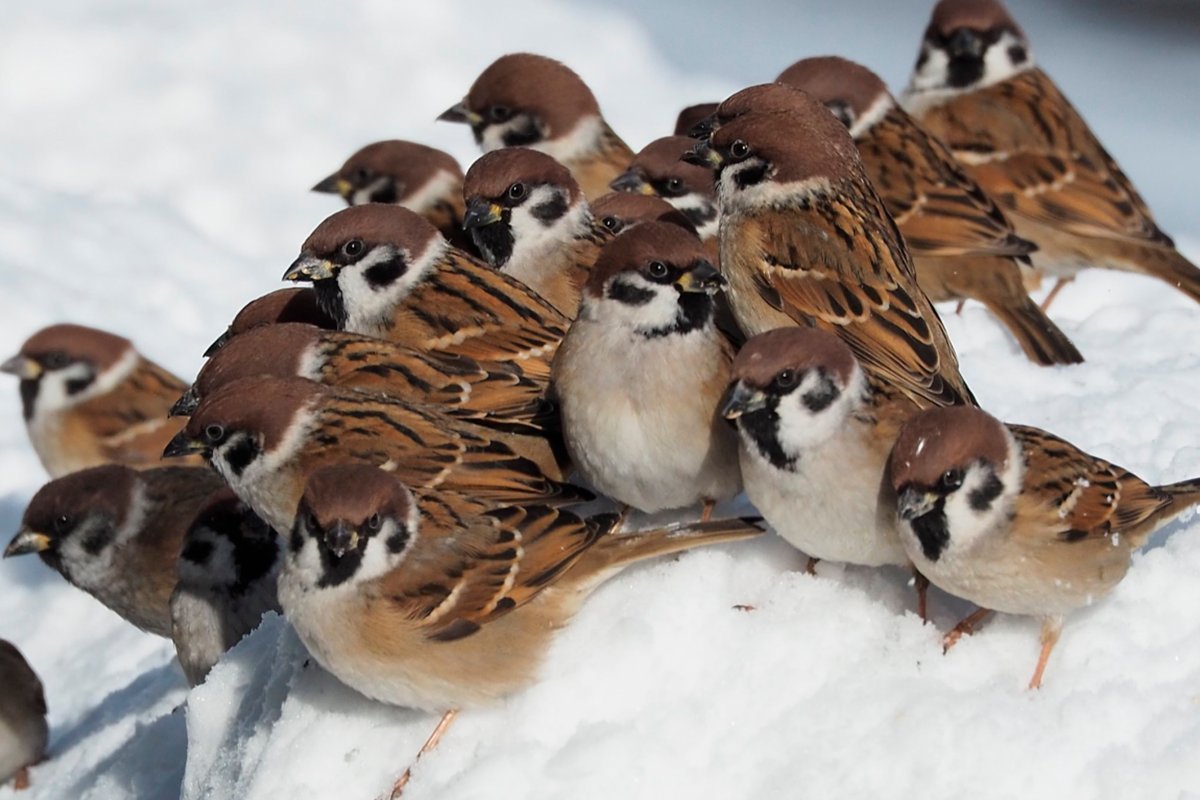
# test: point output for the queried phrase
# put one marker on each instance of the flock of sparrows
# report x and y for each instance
(389, 451)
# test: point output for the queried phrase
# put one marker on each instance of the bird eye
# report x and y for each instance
(55, 360)
(374, 523)
(951, 480)
(612, 223)
(214, 433)
(787, 379)
(516, 191)
(675, 185)
(500, 113)
(352, 248)
(62, 523)
(657, 269)
(359, 176)
(739, 149)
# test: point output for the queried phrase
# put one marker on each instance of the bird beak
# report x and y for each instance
(965, 42)
(334, 184)
(185, 406)
(23, 367)
(705, 128)
(741, 399)
(310, 268)
(482, 212)
(631, 181)
(341, 538)
(703, 155)
(460, 113)
(26, 542)
(703, 277)
(183, 445)
(217, 344)
(912, 503)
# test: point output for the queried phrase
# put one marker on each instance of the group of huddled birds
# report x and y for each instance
(387, 456)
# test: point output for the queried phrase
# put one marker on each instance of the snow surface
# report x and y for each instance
(156, 161)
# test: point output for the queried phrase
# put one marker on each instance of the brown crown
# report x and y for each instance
(688, 118)
(977, 15)
(262, 405)
(638, 246)
(801, 144)
(768, 354)
(410, 163)
(833, 79)
(764, 98)
(373, 224)
(535, 84)
(942, 439)
(106, 490)
(351, 493)
(276, 350)
(630, 209)
(661, 160)
(295, 304)
(491, 175)
(78, 343)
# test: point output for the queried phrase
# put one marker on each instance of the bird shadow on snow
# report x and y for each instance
(150, 762)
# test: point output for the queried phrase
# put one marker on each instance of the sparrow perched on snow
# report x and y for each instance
(418, 603)
(23, 729)
(420, 178)
(90, 398)
(525, 100)
(529, 219)
(384, 271)
(296, 304)
(227, 571)
(814, 444)
(976, 87)
(805, 240)
(116, 533)
(658, 169)
(640, 374)
(616, 211)
(962, 244)
(1017, 520)
(460, 386)
(265, 435)
(689, 116)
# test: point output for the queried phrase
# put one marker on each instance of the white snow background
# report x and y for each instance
(154, 165)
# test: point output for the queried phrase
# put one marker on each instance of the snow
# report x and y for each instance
(157, 157)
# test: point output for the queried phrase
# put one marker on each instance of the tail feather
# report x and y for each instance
(1042, 340)
(621, 549)
(1184, 495)
(1169, 265)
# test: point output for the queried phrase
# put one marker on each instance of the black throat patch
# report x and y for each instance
(932, 531)
(762, 426)
(330, 300)
(495, 242)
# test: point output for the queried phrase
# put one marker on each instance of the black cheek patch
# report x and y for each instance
(1017, 54)
(197, 552)
(385, 193)
(821, 397)
(750, 176)
(382, 275)
(77, 385)
(525, 133)
(627, 293)
(95, 542)
(981, 498)
(254, 555)
(932, 531)
(240, 455)
(397, 541)
(550, 211)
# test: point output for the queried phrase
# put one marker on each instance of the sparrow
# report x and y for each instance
(639, 376)
(416, 602)
(805, 240)
(689, 116)
(116, 532)
(420, 178)
(227, 571)
(617, 211)
(1018, 520)
(814, 443)
(295, 304)
(496, 393)
(657, 169)
(384, 271)
(962, 244)
(526, 100)
(976, 87)
(89, 398)
(529, 219)
(265, 435)
(23, 728)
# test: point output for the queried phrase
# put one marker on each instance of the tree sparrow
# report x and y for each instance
(23, 729)
(688, 117)
(640, 374)
(116, 533)
(529, 219)
(976, 87)
(90, 398)
(805, 240)
(1015, 519)
(962, 244)
(296, 304)
(814, 443)
(617, 211)
(384, 271)
(525, 100)
(658, 169)
(227, 571)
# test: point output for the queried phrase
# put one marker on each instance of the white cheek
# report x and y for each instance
(493, 135)
(998, 64)
(218, 570)
(932, 74)
(535, 241)
(801, 429)
(766, 193)
(696, 203)
(576, 143)
(442, 186)
(661, 312)
(368, 306)
(52, 389)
